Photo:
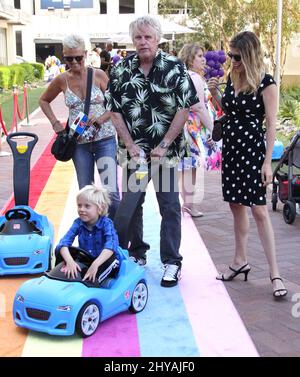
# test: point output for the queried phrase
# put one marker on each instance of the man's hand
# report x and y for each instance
(158, 153)
(134, 152)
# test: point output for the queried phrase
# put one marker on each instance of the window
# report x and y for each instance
(19, 48)
(3, 50)
(126, 6)
(103, 6)
(17, 4)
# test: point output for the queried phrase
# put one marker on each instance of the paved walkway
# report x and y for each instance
(274, 330)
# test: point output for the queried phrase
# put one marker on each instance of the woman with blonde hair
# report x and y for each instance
(100, 148)
(250, 98)
(197, 130)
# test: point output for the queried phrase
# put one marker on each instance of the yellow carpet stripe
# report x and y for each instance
(57, 202)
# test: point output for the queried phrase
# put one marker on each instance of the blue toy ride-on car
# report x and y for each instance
(58, 305)
(26, 237)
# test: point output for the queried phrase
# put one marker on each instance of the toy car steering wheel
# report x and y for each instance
(17, 213)
(80, 255)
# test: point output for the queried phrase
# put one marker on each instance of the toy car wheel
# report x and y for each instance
(139, 297)
(289, 212)
(274, 201)
(88, 320)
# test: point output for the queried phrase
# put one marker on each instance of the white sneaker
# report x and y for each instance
(171, 275)
(141, 261)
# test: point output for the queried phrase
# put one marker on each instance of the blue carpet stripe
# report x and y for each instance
(164, 328)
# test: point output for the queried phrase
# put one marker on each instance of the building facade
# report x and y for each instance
(96, 20)
(14, 15)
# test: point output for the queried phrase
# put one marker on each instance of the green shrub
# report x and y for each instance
(29, 72)
(17, 75)
(39, 70)
(4, 77)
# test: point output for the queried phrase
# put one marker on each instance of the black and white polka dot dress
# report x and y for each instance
(243, 145)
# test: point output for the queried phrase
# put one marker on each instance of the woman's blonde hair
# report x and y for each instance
(252, 58)
(188, 52)
(73, 41)
(96, 195)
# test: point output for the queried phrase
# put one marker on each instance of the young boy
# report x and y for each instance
(96, 235)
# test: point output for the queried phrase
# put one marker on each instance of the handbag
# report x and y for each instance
(64, 145)
(217, 132)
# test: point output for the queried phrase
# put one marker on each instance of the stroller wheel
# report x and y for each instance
(274, 201)
(289, 212)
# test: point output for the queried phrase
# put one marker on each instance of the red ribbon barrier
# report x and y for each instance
(2, 124)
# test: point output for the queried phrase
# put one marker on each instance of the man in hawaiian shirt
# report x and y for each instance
(150, 94)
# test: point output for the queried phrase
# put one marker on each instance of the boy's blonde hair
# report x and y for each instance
(96, 195)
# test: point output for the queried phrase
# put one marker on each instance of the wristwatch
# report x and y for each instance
(163, 144)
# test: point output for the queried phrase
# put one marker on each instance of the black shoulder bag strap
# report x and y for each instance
(88, 90)
(87, 95)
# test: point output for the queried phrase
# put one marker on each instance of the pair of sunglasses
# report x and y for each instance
(236, 57)
(69, 59)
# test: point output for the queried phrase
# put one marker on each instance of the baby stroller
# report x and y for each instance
(286, 185)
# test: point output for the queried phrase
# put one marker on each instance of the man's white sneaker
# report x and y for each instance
(141, 261)
(171, 275)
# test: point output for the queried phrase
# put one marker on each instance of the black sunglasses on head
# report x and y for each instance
(236, 57)
(69, 59)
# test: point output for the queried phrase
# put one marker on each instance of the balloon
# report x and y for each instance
(222, 59)
(220, 72)
(208, 55)
(211, 63)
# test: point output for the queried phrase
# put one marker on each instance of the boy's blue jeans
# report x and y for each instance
(104, 154)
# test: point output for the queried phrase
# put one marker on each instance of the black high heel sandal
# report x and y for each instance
(245, 269)
(284, 290)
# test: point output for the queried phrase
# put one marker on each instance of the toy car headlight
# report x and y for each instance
(66, 308)
(38, 252)
(20, 299)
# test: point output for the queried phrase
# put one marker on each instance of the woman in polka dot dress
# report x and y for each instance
(249, 98)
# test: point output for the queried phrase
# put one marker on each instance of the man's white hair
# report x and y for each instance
(74, 41)
(146, 21)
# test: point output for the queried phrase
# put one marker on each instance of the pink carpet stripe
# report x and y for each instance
(217, 326)
(115, 337)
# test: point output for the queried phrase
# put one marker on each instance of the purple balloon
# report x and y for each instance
(220, 72)
(211, 63)
(214, 73)
(222, 59)
(208, 55)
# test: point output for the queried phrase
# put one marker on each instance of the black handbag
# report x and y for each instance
(64, 145)
(217, 132)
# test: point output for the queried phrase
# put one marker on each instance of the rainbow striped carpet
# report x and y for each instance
(196, 318)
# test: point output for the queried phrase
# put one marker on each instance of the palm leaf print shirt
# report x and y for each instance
(149, 104)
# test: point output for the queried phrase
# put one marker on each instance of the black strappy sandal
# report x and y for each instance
(242, 270)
